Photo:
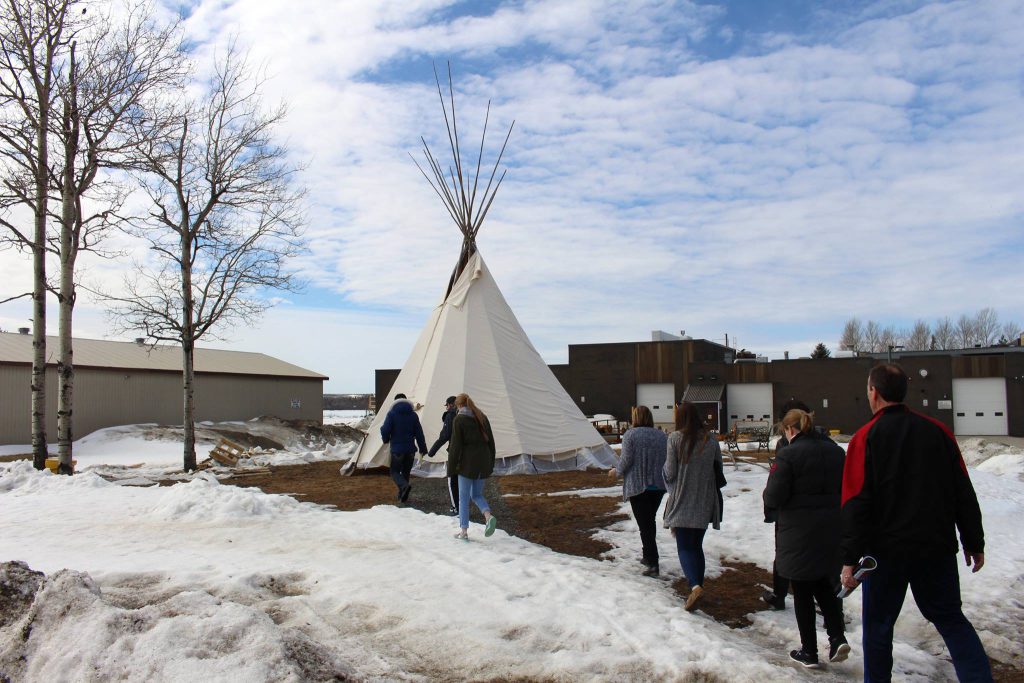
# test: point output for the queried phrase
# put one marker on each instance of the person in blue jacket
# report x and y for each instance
(403, 431)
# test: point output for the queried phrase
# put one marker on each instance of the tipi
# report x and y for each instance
(474, 344)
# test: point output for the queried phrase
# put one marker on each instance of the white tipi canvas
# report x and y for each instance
(474, 344)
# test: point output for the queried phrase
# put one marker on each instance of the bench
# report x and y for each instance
(748, 432)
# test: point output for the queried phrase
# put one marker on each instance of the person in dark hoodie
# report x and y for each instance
(805, 487)
(403, 431)
(446, 434)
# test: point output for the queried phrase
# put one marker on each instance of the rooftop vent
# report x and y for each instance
(140, 340)
(23, 330)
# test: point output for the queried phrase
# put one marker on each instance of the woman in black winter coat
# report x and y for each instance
(471, 457)
(805, 487)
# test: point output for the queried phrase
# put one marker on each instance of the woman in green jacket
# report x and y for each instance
(471, 457)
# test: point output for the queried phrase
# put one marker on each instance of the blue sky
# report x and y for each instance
(762, 169)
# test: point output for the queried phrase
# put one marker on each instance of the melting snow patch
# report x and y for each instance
(189, 635)
(204, 500)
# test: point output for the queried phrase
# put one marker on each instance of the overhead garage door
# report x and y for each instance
(979, 406)
(749, 402)
(660, 398)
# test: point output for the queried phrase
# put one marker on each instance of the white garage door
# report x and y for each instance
(749, 402)
(979, 406)
(660, 398)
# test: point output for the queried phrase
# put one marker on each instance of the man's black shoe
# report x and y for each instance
(405, 493)
(652, 570)
(808, 660)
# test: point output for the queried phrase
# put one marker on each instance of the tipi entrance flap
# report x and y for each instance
(457, 297)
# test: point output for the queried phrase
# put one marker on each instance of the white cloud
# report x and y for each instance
(870, 164)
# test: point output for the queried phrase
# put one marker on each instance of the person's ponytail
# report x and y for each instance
(800, 420)
(478, 415)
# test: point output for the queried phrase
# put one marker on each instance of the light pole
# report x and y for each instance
(891, 347)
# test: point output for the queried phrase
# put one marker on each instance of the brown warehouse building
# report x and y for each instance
(118, 383)
(977, 391)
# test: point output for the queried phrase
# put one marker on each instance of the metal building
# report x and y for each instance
(976, 391)
(120, 383)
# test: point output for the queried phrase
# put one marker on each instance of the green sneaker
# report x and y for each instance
(492, 524)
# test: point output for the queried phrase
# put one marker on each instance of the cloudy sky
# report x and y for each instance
(759, 169)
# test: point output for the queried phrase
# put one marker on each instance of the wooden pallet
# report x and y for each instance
(227, 453)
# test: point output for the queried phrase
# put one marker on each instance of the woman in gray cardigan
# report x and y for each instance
(692, 460)
(641, 465)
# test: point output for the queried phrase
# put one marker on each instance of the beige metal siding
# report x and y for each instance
(236, 397)
(14, 404)
(105, 398)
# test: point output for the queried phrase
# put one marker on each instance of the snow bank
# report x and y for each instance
(204, 581)
(211, 639)
(205, 500)
(994, 457)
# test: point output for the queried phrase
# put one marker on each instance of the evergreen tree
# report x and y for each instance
(821, 351)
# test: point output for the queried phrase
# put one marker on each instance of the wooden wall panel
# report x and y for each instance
(979, 366)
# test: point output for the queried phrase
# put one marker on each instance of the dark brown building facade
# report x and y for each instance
(973, 391)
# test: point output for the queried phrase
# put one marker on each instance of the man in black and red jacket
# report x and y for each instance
(905, 493)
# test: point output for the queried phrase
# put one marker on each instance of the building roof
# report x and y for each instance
(99, 353)
(703, 393)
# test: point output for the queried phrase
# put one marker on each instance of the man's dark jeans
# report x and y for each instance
(401, 466)
(936, 587)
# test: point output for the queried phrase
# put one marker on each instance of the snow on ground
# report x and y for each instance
(141, 454)
(205, 581)
(353, 418)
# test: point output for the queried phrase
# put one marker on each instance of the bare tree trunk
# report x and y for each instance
(65, 361)
(68, 254)
(39, 292)
(188, 352)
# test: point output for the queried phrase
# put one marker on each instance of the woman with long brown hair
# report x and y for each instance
(693, 470)
(471, 458)
(641, 465)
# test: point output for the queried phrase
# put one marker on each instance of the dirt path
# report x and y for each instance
(525, 508)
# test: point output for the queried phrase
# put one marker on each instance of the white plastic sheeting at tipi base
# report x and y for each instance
(473, 344)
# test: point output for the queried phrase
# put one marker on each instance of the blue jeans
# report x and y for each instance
(471, 489)
(936, 587)
(401, 466)
(690, 544)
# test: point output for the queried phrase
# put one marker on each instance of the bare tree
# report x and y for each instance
(121, 63)
(920, 336)
(986, 327)
(888, 338)
(944, 335)
(872, 337)
(965, 333)
(225, 219)
(852, 338)
(33, 37)
(1010, 331)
